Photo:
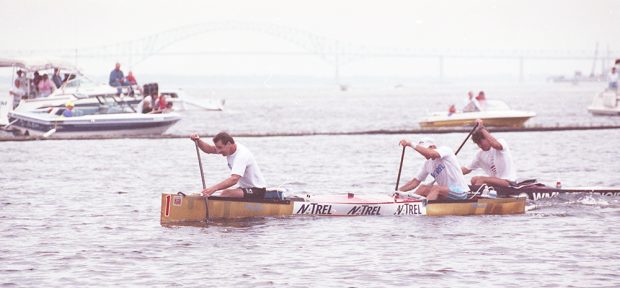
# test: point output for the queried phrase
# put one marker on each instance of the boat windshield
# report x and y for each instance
(495, 105)
(79, 81)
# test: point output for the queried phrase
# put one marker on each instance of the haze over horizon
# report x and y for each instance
(481, 25)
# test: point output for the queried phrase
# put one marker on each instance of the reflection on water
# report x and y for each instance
(86, 213)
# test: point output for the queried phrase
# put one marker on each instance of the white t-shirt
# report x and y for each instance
(495, 163)
(446, 170)
(242, 163)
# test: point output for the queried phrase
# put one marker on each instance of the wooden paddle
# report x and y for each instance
(400, 168)
(202, 174)
(202, 177)
(467, 138)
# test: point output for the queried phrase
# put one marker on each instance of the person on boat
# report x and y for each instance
(18, 92)
(244, 169)
(161, 102)
(131, 81)
(472, 104)
(442, 164)
(46, 86)
(482, 100)
(613, 78)
(494, 158)
(21, 76)
(36, 79)
(117, 79)
(451, 110)
(68, 109)
(146, 105)
(56, 78)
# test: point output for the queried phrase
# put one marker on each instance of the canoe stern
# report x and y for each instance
(497, 206)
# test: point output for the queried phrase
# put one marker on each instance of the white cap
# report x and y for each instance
(426, 142)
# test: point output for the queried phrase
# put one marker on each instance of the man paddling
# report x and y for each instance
(442, 164)
(494, 158)
(243, 168)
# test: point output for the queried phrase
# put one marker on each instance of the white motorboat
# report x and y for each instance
(605, 103)
(110, 118)
(494, 113)
(79, 87)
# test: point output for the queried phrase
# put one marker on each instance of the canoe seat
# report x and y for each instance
(274, 194)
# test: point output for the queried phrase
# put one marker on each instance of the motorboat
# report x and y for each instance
(605, 103)
(78, 86)
(110, 117)
(494, 113)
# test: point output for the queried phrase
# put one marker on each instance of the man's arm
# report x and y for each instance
(410, 185)
(465, 170)
(426, 152)
(494, 143)
(229, 182)
(204, 146)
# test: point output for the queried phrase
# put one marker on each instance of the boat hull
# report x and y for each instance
(110, 125)
(605, 103)
(495, 122)
(176, 209)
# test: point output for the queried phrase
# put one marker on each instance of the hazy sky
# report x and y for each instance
(484, 24)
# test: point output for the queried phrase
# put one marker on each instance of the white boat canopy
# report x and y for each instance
(37, 63)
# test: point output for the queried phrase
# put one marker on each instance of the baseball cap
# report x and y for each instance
(426, 142)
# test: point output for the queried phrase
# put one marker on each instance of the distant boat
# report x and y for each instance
(578, 77)
(495, 114)
(605, 103)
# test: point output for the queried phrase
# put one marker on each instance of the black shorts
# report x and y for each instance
(254, 193)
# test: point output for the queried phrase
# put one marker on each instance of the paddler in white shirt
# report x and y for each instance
(243, 168)
(441, 164)
(494, 158)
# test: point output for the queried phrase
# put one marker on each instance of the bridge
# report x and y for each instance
(334, 52)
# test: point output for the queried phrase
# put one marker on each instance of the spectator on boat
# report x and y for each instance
(161, 102)
(56, 78)
(451, 110)
(131, 81)
(21, 76)
(482, 100)
(494, 158)
(472, 104)
(442, 164)
(18, 92)
(117, 79)
(243, 168)
(68, 110)
(146, 105)
(35, 84)
(46, 86)
(613, 78)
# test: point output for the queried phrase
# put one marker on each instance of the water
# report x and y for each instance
(86, 213)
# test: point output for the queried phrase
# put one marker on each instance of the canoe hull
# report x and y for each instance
(536, 192)
(189, 208)
(496, 206)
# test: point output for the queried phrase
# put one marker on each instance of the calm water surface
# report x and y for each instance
(86, 213)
